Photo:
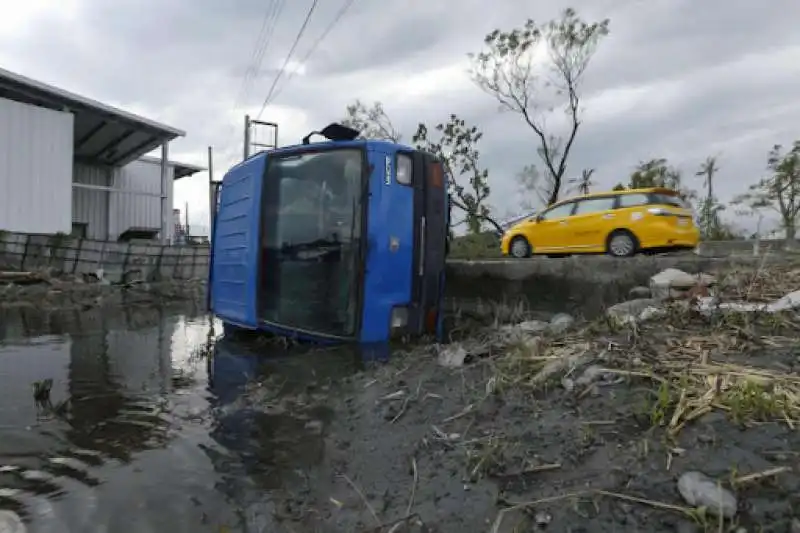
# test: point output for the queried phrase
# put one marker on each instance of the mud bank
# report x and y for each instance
(605, 427)
(48, 292)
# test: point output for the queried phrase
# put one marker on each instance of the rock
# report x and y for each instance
(591, 374)
(672, 283)
(10, 522)
(560, 323)
(701, 491)
(314, 426)
(452, 356)
(634, 311)
(795, 527)
(531, 326)
(639, 292)
(542, 519)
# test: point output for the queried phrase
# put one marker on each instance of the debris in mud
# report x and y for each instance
(603, 426)
(49, 289)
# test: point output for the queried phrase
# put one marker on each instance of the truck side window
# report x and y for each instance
(405, 167)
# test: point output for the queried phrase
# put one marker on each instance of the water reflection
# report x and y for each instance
(155, 432)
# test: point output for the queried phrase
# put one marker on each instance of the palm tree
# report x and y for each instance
(584, 182)
(707, 170)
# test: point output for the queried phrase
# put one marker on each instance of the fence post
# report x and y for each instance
(77, 259)
(177, 261)
(158, 261)
(25, 252)
(125, 260)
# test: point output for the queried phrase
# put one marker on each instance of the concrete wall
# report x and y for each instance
(119, 261)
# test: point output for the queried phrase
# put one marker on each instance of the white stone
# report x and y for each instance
(452, 356)
(701, 491)
(662, 283)
(561, 322)
(10, 522)
(634, 311)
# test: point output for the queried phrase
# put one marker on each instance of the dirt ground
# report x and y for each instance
(581, 431)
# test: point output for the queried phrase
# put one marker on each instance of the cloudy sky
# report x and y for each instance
(675, 78)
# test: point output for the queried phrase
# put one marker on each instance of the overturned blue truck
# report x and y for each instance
(342, 240)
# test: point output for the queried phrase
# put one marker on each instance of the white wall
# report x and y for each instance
(35, 169)
(131, 210)
(109, 214)
(90, 206)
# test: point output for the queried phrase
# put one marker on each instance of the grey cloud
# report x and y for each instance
(184, 62)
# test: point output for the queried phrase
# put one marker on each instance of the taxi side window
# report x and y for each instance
(594, 205)
(560, 211)
(632, 200)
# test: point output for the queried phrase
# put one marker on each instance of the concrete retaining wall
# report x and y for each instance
(636, 270)
(119, 261)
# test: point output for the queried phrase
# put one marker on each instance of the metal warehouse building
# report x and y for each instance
(69, 164)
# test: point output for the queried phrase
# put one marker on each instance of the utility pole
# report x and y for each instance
(212, 192)
(246, 136)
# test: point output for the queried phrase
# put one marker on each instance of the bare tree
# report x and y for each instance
(780, 191)
(529, 186)
(373, 122)
(505, 69)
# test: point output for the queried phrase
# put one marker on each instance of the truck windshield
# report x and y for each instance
(311, 241)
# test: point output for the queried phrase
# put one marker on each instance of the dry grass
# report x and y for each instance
(695, 364)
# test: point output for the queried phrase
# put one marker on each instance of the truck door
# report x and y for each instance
(430, 243)
(235, 246)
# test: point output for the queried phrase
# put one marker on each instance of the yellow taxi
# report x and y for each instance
(619, 223)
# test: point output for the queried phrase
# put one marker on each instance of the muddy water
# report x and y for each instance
(137, 433)
(144, 431)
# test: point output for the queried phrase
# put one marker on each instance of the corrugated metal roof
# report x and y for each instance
(103, 134)
(182, 170)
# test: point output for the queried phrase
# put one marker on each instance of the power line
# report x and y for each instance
(339, 15)
(268, 14)
(288, 57)
(268, 24)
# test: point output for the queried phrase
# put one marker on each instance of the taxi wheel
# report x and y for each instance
(519, 247)
(621, 243)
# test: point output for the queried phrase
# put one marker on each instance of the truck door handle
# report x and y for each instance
(609, 215)
(563, 222)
